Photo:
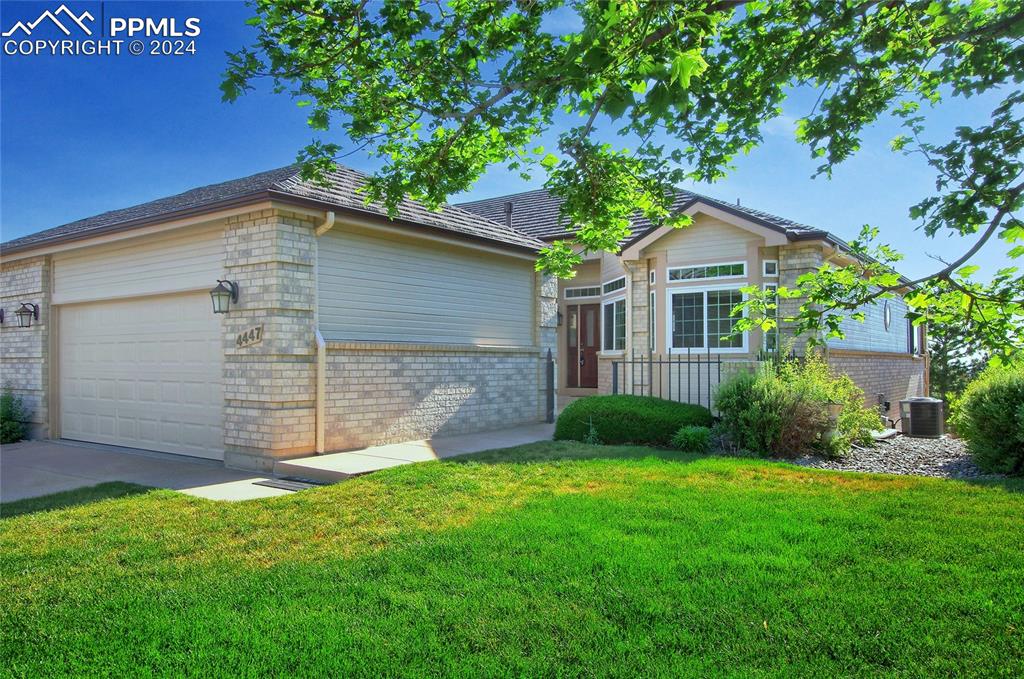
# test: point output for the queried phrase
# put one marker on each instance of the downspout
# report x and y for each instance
(321, 345)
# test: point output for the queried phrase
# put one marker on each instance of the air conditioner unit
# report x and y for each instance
(923, 417)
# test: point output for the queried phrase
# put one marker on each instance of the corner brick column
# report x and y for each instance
(794, 261)
(638, 328)
(546, 287)
(270, 387)
(24, 352)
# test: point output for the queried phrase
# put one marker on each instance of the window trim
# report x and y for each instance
(565, 292)
(730, 277)
(604, 303)
(704, 290)
(777, 329)
(616, 290)
(652, 317)
(764, 268)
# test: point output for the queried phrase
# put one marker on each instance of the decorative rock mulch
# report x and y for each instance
(945, 457)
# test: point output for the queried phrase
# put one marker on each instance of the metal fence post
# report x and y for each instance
(615, 377)
(549, 370)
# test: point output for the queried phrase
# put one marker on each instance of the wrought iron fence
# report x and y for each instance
(686, 377)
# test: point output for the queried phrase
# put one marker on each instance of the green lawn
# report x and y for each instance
(546, 559)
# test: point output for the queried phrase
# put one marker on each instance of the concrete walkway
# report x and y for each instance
(335, 467)
(33, 468)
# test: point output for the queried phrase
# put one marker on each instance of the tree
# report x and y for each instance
(441, 91)
(956, 358)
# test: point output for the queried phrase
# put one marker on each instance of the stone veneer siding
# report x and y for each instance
(24, 367)
(898, 376)
(270, 388)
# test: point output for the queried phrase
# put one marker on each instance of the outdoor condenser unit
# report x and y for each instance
(922, 417)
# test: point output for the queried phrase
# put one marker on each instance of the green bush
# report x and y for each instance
(691, 439)
(12, 418)
(990, 418)
(782, 409)
(627, 419)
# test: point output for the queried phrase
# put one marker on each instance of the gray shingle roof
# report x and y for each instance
(281, 184)
(537, 213)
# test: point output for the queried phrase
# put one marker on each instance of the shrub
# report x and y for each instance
(12, 418)
(627, 419)
(783, 409)
(691, 439)
(990, 418)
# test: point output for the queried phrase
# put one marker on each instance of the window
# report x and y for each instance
(913, 338)
(594, 291)
(721, 321)
(690, 273)
(771, 337)
(651, 325)
(688, 320)
(771, 268)
(614, 325)
(886, 315)
(652, 276)
(612, 286)
(703, 319)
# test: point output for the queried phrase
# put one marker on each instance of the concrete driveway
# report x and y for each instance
(33, 468)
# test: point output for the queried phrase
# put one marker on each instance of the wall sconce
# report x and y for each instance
(559, 319)
(26, 313)
(1, 316)
(223, 296)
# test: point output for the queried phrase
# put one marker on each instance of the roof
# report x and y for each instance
(284, 184)
(537, 213)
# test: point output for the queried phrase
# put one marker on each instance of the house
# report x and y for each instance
(629, 319)
(343, 328)
(332, 327)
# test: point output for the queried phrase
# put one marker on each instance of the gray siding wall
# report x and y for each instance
(384, 287)
(871, 335)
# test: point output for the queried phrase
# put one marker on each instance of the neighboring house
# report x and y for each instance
(669, 294)
(349, 329)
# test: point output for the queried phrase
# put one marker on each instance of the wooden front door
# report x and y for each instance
(582, 337)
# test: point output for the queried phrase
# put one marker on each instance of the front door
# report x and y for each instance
(582, 338)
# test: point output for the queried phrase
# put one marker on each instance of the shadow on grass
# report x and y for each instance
(71, 498)
(554, 451)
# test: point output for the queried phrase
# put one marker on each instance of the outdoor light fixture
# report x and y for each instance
(26, 313)
(223, 296)
(560, 318)
(1, 316)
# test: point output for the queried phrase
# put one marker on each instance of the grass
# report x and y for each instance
(553, 558)
(70, 498)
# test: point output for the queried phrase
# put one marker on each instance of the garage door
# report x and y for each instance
(144, 373)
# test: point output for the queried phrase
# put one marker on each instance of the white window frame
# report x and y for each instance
(565, 292)
(731, 277)
(617, 291)
(778, 333)
(625, 311)
(764, 268)
(652, 316)
(670, 294)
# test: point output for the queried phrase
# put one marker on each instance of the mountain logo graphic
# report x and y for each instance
(27, 28)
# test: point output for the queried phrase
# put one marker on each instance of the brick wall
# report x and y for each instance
(386, 393)
(23, 351)
(897, 376)
(270, 388)
(794, 261)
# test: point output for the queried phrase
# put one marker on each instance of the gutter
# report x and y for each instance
(321, 345)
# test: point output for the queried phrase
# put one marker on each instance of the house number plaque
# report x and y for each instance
(247, 338)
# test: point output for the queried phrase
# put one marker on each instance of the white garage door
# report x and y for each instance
(144, 373)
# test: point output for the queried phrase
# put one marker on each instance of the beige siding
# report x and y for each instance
(383, 287)
(706, 241)
(611, 267)
(175, 261)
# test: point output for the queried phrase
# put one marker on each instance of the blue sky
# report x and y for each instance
(80, 135)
